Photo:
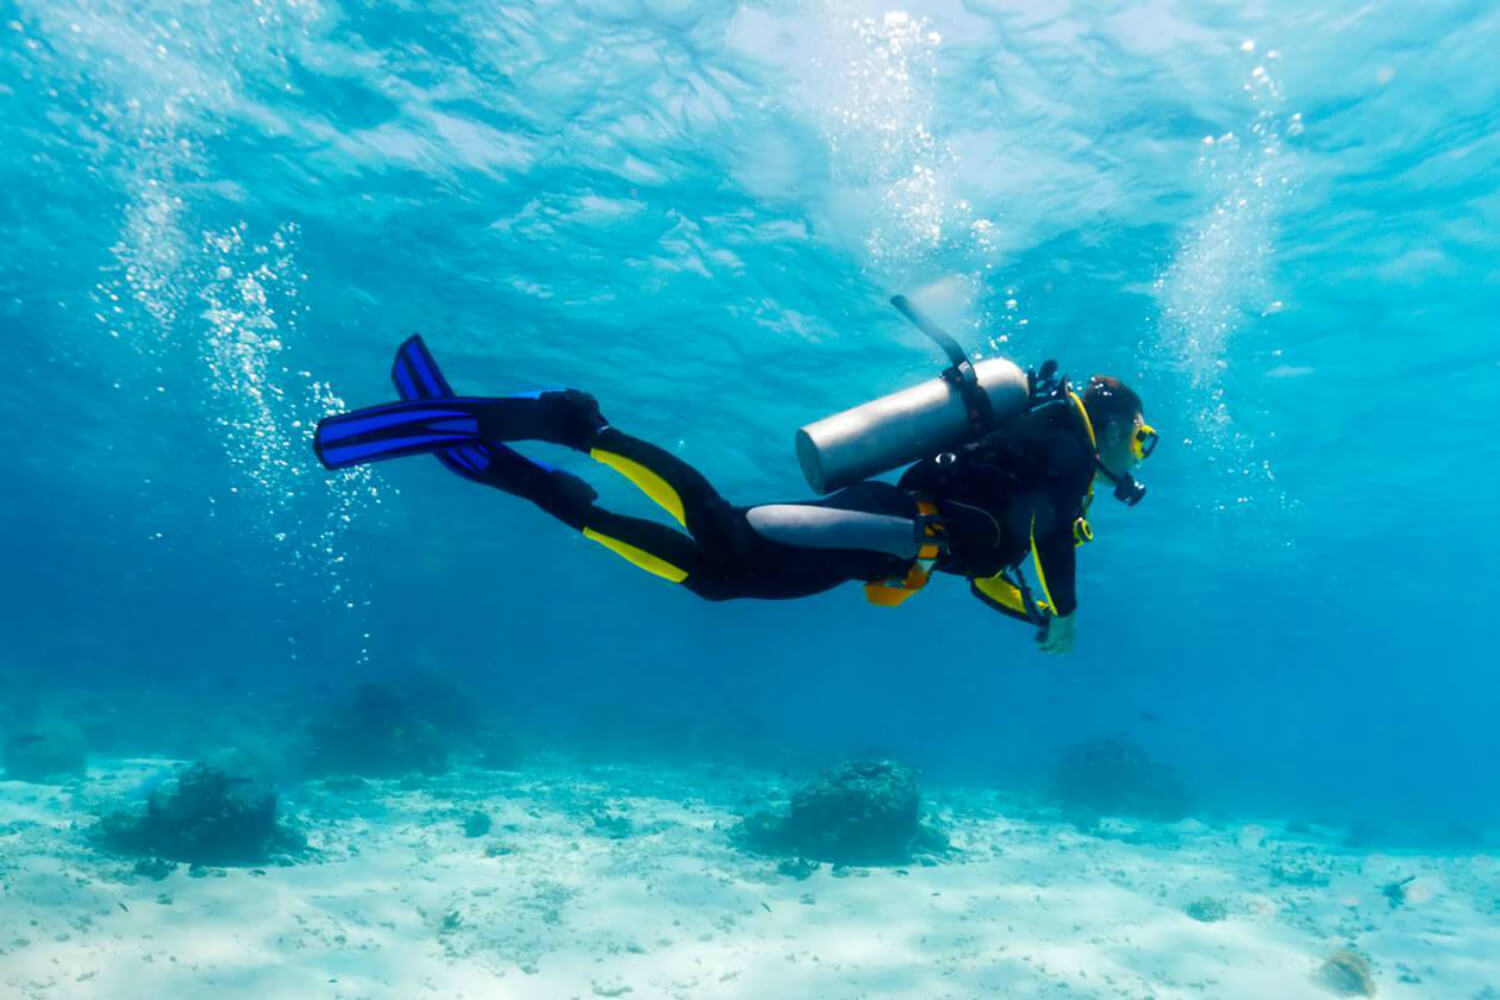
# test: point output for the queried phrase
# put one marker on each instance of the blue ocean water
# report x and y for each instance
(1277, 220)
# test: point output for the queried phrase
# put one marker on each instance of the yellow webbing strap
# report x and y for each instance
(928, 553)
(638, 556)
(1088, 424)
(891, 592)
(645, 480)
(1082, 530)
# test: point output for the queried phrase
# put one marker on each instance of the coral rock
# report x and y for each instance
(1116, 777)
(1206, 910)
(1347, 973)
(864, 812)
(204, 817)
(380, 734)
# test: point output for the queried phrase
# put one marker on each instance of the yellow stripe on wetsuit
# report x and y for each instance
(638, 556)
(1088, 425)
(655, 487)
(648, 482)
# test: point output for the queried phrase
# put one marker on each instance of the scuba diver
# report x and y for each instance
(1001, 471)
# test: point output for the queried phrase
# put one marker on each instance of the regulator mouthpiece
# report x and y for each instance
(1128, 490)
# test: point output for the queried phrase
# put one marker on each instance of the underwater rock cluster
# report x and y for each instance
(1346, 973)
(858, 813)
(1207, 910)
(1115, 776)
(44, 752)
(204, 817)
(1301, 867)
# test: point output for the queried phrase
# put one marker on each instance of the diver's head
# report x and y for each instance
(1122, 436)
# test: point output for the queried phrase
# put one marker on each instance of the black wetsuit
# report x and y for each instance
(1022, 487)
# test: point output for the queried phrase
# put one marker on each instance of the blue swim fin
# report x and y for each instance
(411, 427)
(417, 376)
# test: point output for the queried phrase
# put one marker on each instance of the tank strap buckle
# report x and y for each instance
(932, 532)
(932, 535)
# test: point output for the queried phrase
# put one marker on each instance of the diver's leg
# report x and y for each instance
(567, 417)
(862, 533)
(710, 573)
(476, 449)
(554, 490)
(571, 418)
(653, 547)
(724, 559)
(728, 558)
(676, 486)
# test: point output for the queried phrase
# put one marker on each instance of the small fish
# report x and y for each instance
(26, 739)
(1150, 717)
(122, 906)
(765, 907)
(1395, 892)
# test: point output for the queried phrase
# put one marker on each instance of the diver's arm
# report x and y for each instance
(1057, 637)
(1058, 504)
(1054, 564)
(1055, 559)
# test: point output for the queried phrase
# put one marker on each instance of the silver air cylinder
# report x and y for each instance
(903, 427)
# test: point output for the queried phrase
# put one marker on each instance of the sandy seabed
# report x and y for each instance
(622, 881)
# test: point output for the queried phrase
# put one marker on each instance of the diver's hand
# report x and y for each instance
(1057, 639)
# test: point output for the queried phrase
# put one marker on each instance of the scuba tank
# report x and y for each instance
(940, 414)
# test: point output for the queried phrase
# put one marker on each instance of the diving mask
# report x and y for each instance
(1143, 442)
